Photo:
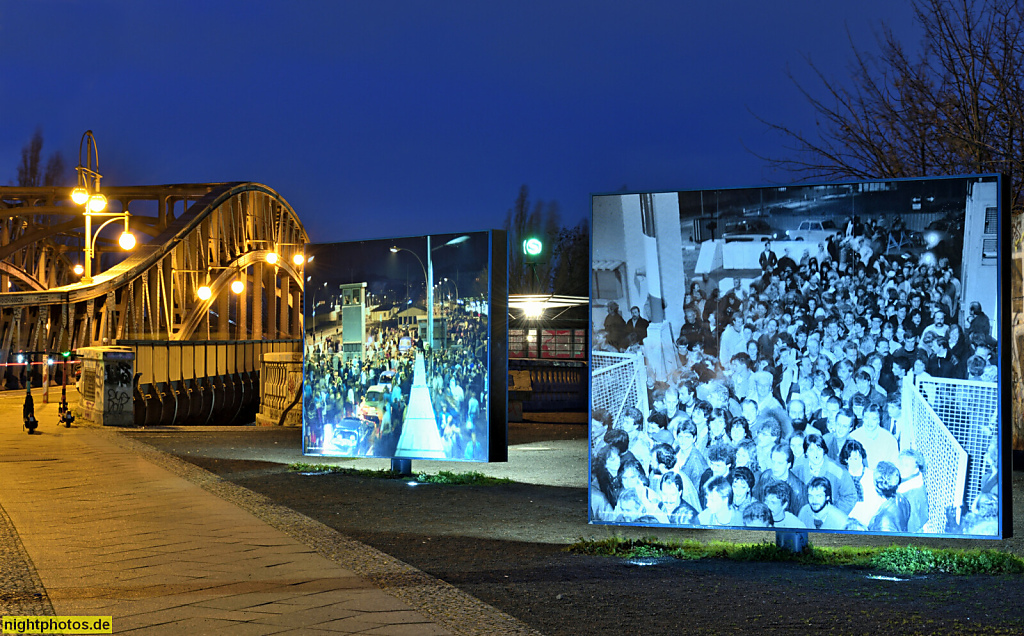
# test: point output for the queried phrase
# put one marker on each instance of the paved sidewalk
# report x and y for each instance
(113, 527)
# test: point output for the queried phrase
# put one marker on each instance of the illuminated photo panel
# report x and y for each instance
(404, 350)
(811, 357)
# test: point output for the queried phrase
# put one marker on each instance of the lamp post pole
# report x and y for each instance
(428, 274)
(87, 277)
(430, 296)
(453, 284)
(90, 239)
(87, 193)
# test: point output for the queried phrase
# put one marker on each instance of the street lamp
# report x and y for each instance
(428, 274)
(238, 285)
(87, 193)
(205, 292)
(455, 285)
(395, 250)
(297, 257)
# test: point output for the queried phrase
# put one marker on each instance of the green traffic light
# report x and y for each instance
(533, 247)
(66, 354)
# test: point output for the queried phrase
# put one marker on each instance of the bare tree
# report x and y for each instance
(28, 169)
(29, 172)
(523, 220)
(955, 107)
(54, 175)
(571, 274)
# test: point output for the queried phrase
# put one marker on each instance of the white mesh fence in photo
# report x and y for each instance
(618, 380)
(952, 423)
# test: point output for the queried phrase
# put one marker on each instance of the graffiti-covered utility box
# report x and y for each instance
(106, 385)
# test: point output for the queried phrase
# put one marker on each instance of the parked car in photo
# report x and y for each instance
(387, 379)
(813, 230)
(944, 229)
(349, 437)
(404, 344)
(371, 407)
(751, 230)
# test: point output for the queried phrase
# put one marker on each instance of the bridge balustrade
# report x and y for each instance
(556, 385)
(201, 382)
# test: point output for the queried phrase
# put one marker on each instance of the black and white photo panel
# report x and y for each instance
(808, 357)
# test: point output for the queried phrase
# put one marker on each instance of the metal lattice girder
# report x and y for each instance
(201, 234)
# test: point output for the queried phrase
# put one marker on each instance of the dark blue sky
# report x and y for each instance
(402, 118)
(372, 262)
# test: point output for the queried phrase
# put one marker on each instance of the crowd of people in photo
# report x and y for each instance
(785, 409)
(455, 376)
(335, 389)
(458, 384)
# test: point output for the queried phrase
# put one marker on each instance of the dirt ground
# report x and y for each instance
(497, 543)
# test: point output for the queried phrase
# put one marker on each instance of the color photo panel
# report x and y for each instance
(811, 357)
(376, 383)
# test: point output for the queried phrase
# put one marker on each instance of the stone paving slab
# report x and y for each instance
(106, 525)
(21, 591)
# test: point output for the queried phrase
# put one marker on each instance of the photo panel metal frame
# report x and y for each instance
(683, 281)
(405, 348)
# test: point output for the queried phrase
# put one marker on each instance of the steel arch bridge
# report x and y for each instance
(191, 235)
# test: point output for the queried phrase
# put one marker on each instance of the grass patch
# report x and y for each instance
(911, 560)
(894, 559)
(381, 473)
(441, 477)
(462, 479)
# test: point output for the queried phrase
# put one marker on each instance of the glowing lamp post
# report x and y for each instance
(455, 285)
(87, 193)
(205, 292)
(428, 277)
(428, 274)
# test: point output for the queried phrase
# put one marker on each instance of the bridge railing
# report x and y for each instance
(199, 382)
(555, 385)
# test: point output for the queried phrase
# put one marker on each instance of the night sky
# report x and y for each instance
(382, 118)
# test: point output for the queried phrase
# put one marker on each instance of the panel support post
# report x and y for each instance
(794, 541)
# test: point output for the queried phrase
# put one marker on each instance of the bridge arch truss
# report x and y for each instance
(198, 234)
